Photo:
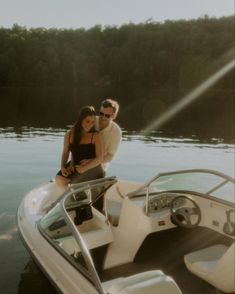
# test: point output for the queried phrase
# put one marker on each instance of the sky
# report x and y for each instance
(88, 13)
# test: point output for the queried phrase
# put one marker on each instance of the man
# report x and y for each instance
(110, 132)
(111, 136)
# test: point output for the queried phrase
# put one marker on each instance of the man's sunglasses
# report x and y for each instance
(105, 114)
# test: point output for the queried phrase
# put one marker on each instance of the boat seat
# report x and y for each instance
(150, 282)
(215, 265)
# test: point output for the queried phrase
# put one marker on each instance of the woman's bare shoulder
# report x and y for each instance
(68, 135)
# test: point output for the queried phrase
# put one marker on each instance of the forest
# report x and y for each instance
(47, 74)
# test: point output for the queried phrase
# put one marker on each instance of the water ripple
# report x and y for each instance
(8, 235)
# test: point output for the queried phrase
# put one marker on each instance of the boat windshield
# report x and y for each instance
(68, 225)
(200, 181)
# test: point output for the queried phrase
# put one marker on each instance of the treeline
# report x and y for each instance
(137, 63)
(174, 54)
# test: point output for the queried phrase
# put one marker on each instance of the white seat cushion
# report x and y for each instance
(215, 265)
(149, 282)
(203, 261)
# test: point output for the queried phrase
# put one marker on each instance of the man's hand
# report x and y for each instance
(80, 168)
(84, 161)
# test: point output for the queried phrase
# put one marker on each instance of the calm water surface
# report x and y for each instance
(31, 156)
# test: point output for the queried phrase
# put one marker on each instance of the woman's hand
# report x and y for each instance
(64, 172)
(71, 169)
(67, 171)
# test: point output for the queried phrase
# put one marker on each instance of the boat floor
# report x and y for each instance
(165, 251)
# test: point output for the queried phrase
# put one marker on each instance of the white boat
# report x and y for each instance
(173, 234)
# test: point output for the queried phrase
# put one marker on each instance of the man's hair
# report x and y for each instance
(111, 103)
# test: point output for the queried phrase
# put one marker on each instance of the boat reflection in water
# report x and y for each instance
(33, 280)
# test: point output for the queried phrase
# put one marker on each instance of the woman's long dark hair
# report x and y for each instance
(77, 127)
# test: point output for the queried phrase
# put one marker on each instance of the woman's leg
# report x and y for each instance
(61, 181)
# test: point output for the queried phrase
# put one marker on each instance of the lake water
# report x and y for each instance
(31, 156)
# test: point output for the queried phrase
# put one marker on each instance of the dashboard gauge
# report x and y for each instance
(163, 201)
(152, 205)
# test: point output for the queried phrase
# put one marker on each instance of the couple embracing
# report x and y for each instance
(90, 144)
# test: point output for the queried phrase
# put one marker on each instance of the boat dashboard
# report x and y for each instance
(163, 201)
(187, 208)
(141, 215)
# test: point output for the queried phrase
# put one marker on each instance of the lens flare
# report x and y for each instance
(189, 98)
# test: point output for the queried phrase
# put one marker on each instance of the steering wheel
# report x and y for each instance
(185, 212)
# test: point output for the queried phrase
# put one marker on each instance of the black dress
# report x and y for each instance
(82, 151)
(79, 153)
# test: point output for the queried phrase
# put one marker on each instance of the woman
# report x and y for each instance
(84, 145)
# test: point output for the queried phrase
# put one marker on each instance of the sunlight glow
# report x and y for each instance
(189, 98)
